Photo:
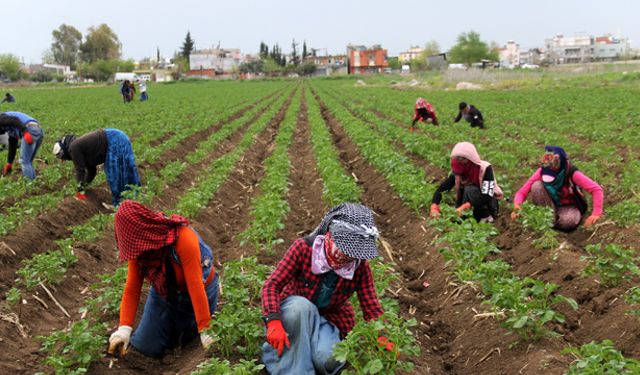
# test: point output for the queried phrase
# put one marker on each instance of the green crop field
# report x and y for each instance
(256, 164)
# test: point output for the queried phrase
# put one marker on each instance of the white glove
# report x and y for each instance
(206, 340)
(119, 341)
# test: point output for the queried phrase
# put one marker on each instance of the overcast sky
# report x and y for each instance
(141, 25)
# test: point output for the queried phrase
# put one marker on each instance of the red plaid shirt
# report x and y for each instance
(293, 276)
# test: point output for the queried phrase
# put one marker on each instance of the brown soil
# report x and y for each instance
(452, 341)
(93, 259)
(226, 215)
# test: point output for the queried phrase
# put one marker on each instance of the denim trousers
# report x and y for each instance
(169, 323)
(312, 338)
(28, 151)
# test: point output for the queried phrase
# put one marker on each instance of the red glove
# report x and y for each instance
(591, 220)
(388, 345)
(435, 210)
(7, 169)
(516, 211)
(28, 138)
(80, 196)
(460, 210)
(277, 336)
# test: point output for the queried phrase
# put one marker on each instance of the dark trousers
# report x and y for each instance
(483, 206)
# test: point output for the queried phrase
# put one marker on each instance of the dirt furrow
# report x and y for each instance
(93, 259)
(452, 340)
(226, 216)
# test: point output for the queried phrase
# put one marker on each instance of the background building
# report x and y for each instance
(510, 55)
(413, 53)
(363, 60)
(215, 61)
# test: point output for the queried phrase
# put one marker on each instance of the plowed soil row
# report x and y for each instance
(452, 341)
(226, 216)
(40, 234)
(22, 355)
(601, 314)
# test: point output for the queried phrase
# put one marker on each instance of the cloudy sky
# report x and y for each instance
(141, 25)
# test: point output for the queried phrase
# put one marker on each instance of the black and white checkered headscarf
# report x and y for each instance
(352, 228)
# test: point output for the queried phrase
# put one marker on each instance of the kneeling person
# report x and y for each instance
(305, 300)
(172, 257)
(474, 183)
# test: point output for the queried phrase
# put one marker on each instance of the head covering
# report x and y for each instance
(553, 162)
(469, 172)
(421, 103)
(321, 264)
(62, 146)
(462, 105)
(353, 230)
(143, 235)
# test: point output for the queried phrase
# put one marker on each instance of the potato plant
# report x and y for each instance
(600, 358)
(269, 209)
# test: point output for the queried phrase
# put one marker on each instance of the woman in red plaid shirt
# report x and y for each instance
(305, 301)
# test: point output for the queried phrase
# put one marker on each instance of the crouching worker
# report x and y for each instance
(424, 112)
(557, 183)
(110, 147)
(172, 257)
(305, 301)
(474, 182)
(471, 114)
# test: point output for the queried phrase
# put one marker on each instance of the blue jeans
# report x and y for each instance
(28, 151)
(169, 323)
(143, 96)
(312, 338)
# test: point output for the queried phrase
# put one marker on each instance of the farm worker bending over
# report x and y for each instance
(19, 125)
(474, 182)
(557, 183)
(305, 301)
(172, 257)
(8, 98)
(470, 114)
(424, 112)
(109, 146)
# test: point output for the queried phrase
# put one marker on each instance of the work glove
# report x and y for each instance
(460, 210)
(384, 342)
(435, 210)
(119, 341)
(591, 220)
(7, 169)
(80, 196)
(206, 340)
(28, 138)
(277, 336)
(516, 211)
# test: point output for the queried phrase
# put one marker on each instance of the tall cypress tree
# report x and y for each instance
(187, 46)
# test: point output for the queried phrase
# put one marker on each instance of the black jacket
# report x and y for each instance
(474, 117)
(87, 152)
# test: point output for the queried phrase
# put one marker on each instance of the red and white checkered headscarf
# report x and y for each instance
(143, 235)
(421, 103)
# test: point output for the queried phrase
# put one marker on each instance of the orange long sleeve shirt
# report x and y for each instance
(188, 274)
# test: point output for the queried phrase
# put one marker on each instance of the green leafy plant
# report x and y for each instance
(613, 263)
(528, 304)
(71, 351)
(215, 366)
(632, 297)
(366, 356)
(600, 358)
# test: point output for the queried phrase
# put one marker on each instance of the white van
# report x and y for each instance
(125, 76)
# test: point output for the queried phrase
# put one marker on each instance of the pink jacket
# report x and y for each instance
(578, 178)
